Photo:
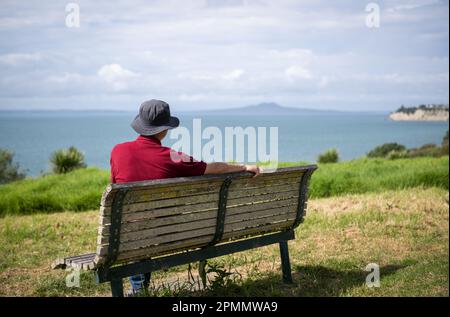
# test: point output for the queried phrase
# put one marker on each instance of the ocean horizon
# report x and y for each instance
(33, 135)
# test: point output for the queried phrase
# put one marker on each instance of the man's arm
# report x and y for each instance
(220, 168)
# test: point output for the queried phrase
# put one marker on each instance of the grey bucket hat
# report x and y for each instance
(154, 117)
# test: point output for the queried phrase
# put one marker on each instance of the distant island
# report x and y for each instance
(431, 112)
(267, 108)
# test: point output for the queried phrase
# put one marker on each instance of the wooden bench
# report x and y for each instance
(153, 225)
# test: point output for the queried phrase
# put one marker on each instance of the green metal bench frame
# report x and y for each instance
(115, 274)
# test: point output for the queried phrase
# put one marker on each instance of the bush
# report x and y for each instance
(385, 149)
(394, 155)
(445, 139)
(66, 160)
(426, 150)
(329, 156)
(445, 144)
(8, 171)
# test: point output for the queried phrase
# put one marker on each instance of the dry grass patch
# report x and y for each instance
(405, 232)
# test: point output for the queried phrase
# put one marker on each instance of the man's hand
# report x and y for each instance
(220, 168)
(253, 169)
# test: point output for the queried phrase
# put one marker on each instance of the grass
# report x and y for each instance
(81, 190)
(406, 232)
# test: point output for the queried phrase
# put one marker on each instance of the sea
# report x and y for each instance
(34, 135)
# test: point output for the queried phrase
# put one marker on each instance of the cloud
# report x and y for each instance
(217, 54)
(411, 5)
(234, 75)
(117, 76)
(17, 59)
(297, 72)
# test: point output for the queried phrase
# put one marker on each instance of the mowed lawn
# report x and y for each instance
(405, 232)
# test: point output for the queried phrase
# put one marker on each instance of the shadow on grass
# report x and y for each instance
(308, 281)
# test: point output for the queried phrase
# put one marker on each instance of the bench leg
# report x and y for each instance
(117, 287)
(285, 263)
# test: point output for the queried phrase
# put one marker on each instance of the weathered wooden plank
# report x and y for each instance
(163, 249)
(282, 172)
(177, 246)
(242, 217)
(163, 212)
(240, 226)
(239, 234)
(203, 211)
(104, 232)
(241, 210)
(255, 194)
(141, 198)
(231, 223)
(145, 238)
(177, 191)
(154, 232)
(262, 198)
(146, 243)
(246, 200)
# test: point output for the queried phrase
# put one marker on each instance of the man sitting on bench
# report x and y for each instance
(146, 159)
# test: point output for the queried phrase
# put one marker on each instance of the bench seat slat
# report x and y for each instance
(146, 241)
(187, 226)
(147, 219)
(76, 262)
(233, 214)
(194, 243)
(267, 198)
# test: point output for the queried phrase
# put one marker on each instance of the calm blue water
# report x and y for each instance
(34, 136)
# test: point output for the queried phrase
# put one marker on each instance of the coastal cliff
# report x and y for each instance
(421, 113)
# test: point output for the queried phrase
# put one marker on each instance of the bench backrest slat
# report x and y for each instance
(165, 216)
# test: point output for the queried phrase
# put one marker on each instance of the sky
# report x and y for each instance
(211, 54)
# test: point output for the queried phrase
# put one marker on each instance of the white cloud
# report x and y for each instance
(17, 59)
(297, 72)
(411, 5)
(117, 76)
(114, 72)
(214, 54)
(234, 75)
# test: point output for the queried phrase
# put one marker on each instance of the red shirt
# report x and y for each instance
(146, 159)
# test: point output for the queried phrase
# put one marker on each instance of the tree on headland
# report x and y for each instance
(430, 107)
(8, 170)
(385, 149)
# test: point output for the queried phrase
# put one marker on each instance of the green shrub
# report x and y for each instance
(66, 160)
(8, 170)
(445, 144)
(329, 156)
(395, 155)
(426, 150)
(385, 149)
